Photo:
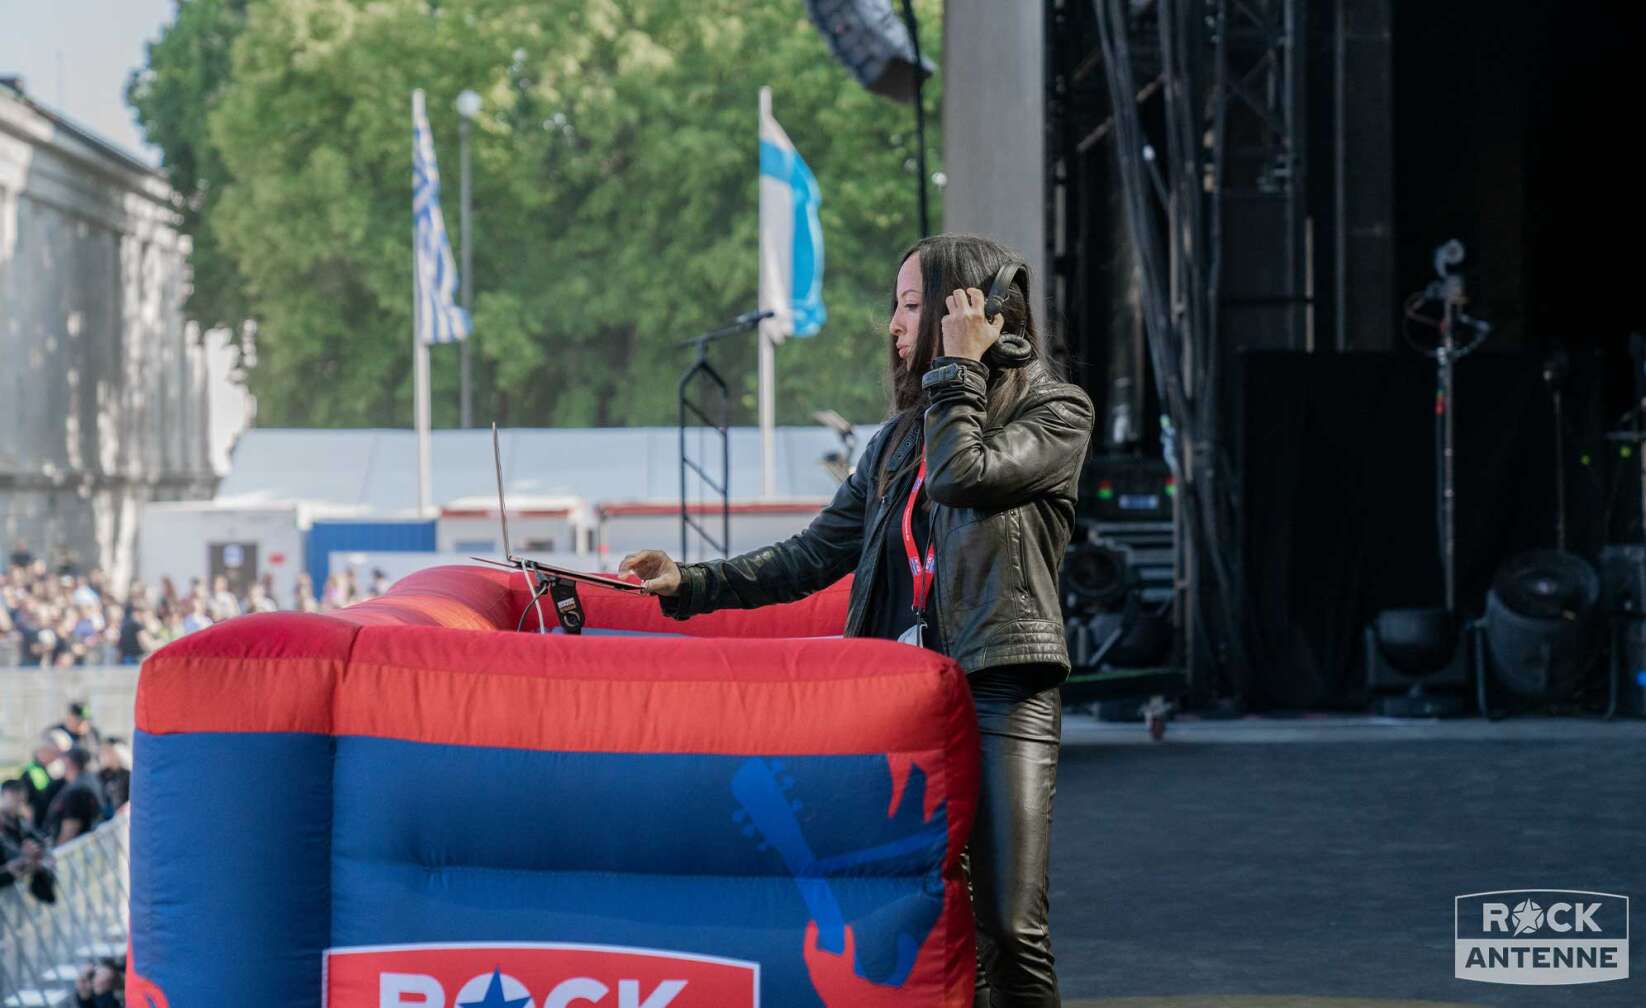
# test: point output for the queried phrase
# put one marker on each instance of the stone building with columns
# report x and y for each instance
(103, 381)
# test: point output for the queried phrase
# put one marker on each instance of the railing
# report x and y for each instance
(11, 652)
(43, 945)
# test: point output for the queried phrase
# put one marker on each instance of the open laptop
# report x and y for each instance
(532, 566)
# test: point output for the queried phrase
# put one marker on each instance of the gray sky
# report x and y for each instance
(75, 55)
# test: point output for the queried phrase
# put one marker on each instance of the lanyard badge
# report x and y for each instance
(923, 574)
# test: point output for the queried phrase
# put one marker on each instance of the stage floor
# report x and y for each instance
(1284, 863)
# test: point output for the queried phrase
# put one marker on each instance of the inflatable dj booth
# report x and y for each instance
(408, 803)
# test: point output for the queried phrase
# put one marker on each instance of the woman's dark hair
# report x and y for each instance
(950, 262)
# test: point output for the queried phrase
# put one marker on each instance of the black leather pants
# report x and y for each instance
(1010, 847)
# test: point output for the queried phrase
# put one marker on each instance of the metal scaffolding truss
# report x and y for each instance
(1198, 106)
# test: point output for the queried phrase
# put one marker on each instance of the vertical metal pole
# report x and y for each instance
(420, 419)
(1340, 172)
(725, 474)
(467, 277)
(684, 556)
(770, 296)
(1448, 498)
(919, 114)
(1560, 474)
(1294, 14)
(420, 363)
(768, 414)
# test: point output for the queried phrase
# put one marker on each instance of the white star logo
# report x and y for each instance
(1528, 917)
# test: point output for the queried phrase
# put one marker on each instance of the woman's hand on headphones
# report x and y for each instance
(659, 574)
(966, 333)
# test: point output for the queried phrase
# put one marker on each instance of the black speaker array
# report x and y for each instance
(873, 43)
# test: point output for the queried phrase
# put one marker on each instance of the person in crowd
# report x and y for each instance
(20, 558)
(303, 599)
(168, 591)
(172, 622)
(223, 603)
(8, 628)
(129, 643)
(45, 648)
(23, 851)
(339, 591)
(71, 649)
(379, 583)
(154, 634)
(976, 472)
(86, 590)
(258, 600)
(99, 984)
(87, 634)
(78, 725)
(78, 807)
(196, 617)
(114, 772)
(26, 619)
(42, 776)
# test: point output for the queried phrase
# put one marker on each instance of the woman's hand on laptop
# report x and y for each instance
(657, 573)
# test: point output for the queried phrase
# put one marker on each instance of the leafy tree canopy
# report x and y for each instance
(614, 188)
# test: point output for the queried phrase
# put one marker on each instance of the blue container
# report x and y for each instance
(325, 537)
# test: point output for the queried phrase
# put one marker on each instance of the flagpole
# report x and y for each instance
(420, 376)
(768, 363)
(420, 372)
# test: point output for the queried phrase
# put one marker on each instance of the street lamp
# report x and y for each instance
(468, 106)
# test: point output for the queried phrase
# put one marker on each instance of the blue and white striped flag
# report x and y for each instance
(791, 238)
(438, 318)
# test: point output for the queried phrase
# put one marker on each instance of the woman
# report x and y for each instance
(988, 443)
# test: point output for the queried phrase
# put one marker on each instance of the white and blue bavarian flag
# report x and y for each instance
(437, 316)
(791, 238)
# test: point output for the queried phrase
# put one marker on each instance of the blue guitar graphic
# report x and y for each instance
(768, 813)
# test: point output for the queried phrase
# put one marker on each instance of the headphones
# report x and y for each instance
(1010, 350)
(994, 299)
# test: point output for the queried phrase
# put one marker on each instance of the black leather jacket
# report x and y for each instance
(1003, 492)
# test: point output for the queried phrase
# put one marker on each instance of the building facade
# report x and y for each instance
(103, 382)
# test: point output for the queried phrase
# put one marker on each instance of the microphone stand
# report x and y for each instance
(1555, 370)
(702, 368)
(1448, 290)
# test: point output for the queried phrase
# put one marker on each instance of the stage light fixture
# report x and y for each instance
(1539, 627)
(1106, 619)
(1415, 651)
(1096, 577)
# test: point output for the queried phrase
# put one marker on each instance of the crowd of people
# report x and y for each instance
(64, 616)
(75, 781)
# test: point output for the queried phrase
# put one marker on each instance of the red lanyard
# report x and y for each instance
(922, 577)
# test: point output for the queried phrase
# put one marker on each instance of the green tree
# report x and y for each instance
(614, 189)
(172, 96)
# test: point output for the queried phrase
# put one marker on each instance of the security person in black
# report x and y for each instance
(954, 523)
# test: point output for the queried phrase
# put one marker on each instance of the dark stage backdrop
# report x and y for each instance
(1339, 504)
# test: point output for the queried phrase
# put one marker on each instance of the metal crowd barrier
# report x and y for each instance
(11, 653)
(43, 945)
